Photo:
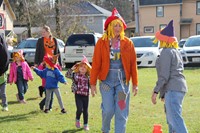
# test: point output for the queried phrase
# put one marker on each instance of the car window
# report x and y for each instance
(27, 44)
(181, 43)
(144, 42)
(81, 40)
(191, 42)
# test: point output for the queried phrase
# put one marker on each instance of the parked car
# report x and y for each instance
(29, 46)
(147, 52)
(78, 45)
(182, 42)
(191, 50)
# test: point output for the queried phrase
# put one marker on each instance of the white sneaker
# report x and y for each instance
(5, 109)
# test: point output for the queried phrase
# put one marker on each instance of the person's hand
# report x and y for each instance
(153, 98)
(74, 67)
(93, 90)
(33, 67)
(135, 90)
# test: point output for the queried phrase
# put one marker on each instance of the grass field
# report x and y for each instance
(27, 118)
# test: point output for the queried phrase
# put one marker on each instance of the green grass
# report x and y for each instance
(27, 118)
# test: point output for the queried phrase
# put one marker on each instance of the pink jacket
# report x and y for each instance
(27, 74)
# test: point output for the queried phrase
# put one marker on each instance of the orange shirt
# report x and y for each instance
(49, 46)
(101, 61)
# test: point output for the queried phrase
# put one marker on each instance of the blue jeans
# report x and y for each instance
(173, 103)
(112, 93)
(22, 87)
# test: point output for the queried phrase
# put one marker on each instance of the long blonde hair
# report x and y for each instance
(109, 33)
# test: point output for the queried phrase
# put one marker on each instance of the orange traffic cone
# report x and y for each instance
(157, 128)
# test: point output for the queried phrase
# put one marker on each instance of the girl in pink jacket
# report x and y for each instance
(20, 73)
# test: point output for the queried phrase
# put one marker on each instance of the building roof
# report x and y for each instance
(86, 8)
(7, 3)
(158, 2)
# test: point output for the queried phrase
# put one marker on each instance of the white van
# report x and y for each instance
(78, 45)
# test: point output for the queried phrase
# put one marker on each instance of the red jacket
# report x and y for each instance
(101, 61)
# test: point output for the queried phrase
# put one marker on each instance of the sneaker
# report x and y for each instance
(63, 111)
(86, 127)
(78, 125)
(5, 109)
(46, 111)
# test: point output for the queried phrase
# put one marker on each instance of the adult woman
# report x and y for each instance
(171, 83)
(114, 63)
(46, 45)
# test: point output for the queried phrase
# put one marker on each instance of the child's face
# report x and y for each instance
(17, 58)
(83, 68)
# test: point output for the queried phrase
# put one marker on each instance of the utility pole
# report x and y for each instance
(58, 30)
(136, 10)
(28, 19)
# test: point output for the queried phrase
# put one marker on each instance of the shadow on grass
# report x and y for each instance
(30, 99)
(13, 102)
(73, 130)
(20, 117)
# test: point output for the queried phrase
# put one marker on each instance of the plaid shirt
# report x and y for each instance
(80, 83)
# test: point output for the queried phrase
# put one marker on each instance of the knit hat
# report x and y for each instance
(167, 34)
(115, 15)
(18, 54)
(84, 61)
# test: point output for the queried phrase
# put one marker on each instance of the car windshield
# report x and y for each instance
(192, 42)
(81, 40)
(144, 42)
(27, 44)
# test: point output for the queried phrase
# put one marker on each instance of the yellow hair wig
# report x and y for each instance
(109, 33)
(164, 44)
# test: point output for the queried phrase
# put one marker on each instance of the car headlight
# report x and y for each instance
(149, 54)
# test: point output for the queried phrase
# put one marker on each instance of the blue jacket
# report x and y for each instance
(52, 77)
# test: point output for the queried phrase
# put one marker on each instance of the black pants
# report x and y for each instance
(82, 106)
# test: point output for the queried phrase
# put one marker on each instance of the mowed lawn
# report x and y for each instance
(28, 118)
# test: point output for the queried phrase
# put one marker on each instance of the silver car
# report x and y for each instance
(29, 46)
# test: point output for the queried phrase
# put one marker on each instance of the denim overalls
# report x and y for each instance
(115, 95)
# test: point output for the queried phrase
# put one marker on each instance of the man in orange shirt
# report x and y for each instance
(114, 64)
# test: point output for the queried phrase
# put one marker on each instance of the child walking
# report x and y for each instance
(20, 73)
(79, 74)
(3, 79)
(52, 75)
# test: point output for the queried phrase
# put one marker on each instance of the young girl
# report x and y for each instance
(79, 74)
(42, 87)
(20, 73)
(52, 75)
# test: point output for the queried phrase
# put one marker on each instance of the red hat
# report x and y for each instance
(49, 61)
(167, 34)
(115, 15)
